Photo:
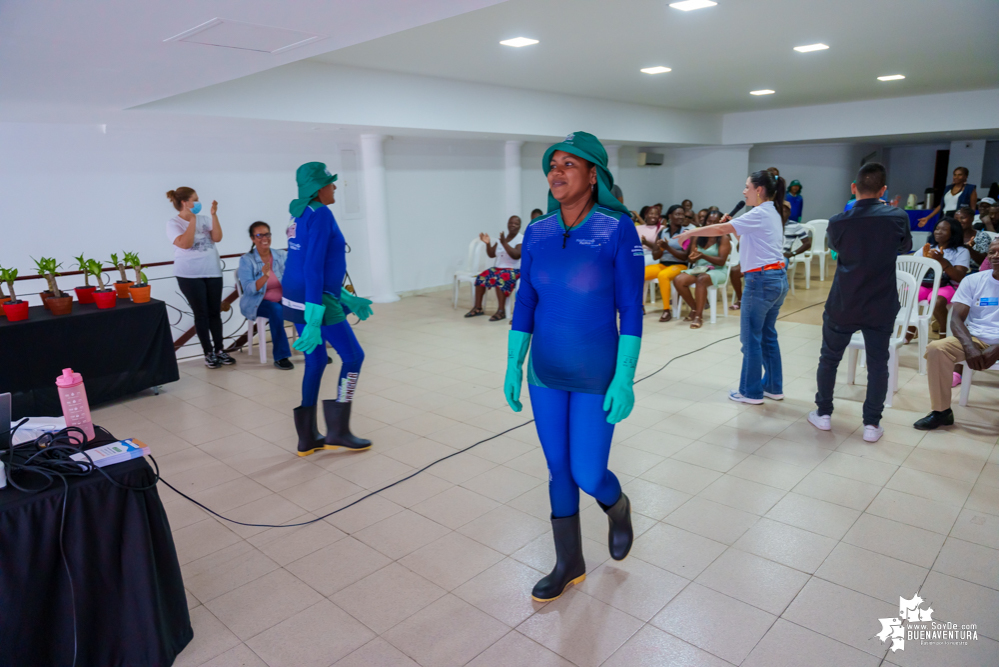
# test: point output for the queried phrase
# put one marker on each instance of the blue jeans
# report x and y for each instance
(275, 316)
(762, 298)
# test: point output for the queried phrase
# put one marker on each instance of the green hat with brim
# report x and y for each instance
(794, 183)
(311, 178)
(588, 147)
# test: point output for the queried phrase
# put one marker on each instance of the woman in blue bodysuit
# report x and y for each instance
(315, 301)
(581, 267)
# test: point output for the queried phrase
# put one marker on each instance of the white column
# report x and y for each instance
(512, 172)
(612, 162)
(373, 165)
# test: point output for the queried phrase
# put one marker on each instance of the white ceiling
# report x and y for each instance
(595, 48)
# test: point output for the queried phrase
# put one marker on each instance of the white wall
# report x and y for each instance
(990, 168)
(910, 168)
(825, 172)
(710, 176)
(969, 154)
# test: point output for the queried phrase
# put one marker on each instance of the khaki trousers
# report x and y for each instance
(941, 355)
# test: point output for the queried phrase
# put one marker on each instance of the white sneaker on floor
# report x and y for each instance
(739, 398)
(773, 397)
(821, 422)
(873, 433)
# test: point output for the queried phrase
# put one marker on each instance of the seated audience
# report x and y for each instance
(794, 198)
(945, 247)
(793, 233)
(985, 220)
(648, 232)
(670, 255)
(708, 255)
(702, 217)
(688, 207)
(975, 241)
(505, 271)
(536, 213)
(259, 275)
(975, 324)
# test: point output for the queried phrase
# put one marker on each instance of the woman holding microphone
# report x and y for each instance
(761, 254)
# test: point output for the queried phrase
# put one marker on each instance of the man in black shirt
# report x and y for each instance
(864, 296)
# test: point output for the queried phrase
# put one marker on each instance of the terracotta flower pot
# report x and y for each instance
(106, 299)
(85, 294)
(62, 305)
(122, 288)
(140, 293)
(46, 295)
(3, 300)
(16, 311)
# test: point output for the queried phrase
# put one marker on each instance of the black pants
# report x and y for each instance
(205, 297)
(835, 338)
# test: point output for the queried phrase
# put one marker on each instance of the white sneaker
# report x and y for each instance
(739, 398)
(821, 422)
(873, 433)
(773, 397)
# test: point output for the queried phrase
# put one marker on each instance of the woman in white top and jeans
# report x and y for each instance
(761, 254)
(504, 273)
(198, 269)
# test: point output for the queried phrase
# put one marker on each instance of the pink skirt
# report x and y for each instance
(947, 292)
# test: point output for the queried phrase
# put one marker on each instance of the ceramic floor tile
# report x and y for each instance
(633, 586)
(762, 583)
(373, 472)
(315, 637)
(770, 472)
(984, 651)
(416, 490)
(977, 527)
(858, 468)
(377, 652)
(539, 553)
(883, 450)
(200, 539)
(502, 484)
(945, 463)
(794, 547)
(352, 518)
(238, 656)
(651, 647)
(815, 515)
(790, 645)
(503, 591)
(870, 573)
(713, 457)
(580, 628)
(211, 638)
(971, 562)
(515, 650)
(841, 614)
(387, 597)
(898, 540)
(225, 570)
(451, 561)
(455, 507)
(681, 476)
(675, 550)
(241, 611)
(461, 468)
(984, 499)
(651, 500)
(915, 511)
(733, 438)
(837, 490)
(337, 566)
(505, 529)
(742, 494)
(320, 491)
(712, 520)
(401, 534)
(714, 622)
(962, 602)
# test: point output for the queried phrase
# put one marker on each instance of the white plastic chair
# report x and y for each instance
(805, 259)
(260, 324)
(819, 248)
(917, 267)
(908, 291)
(472, 268)
(712, 301)
(966, 381)
(733, 261)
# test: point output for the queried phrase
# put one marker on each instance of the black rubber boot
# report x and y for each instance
(569, 565)
(338, 427)
(309, 437)
(620, 535)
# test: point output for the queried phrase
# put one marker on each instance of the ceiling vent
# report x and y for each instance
(245, 36)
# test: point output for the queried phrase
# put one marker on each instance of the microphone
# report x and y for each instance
(738, 207)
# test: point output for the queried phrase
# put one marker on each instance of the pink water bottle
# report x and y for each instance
(73, 396)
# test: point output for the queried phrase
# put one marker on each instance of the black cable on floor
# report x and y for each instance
(433, 463)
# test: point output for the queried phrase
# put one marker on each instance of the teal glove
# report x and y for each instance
(311, 336)
(517, 344)
(358, 306)
(620, 397)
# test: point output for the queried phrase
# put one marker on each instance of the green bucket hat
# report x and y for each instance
(794, 183)
(588, 147)
(311, 178)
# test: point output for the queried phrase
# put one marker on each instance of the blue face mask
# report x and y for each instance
(196, 209)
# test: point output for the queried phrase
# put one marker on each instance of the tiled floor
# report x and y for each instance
(761, 541)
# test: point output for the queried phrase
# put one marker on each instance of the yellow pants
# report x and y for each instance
(665, 275)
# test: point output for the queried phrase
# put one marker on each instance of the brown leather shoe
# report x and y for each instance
(666, 316)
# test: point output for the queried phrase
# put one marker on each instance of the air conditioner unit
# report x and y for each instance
(650, 159)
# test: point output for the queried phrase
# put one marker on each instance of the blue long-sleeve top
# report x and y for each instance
(316, 261)
(570, 298)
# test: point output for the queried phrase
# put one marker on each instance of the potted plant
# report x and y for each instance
(3, 299)
(14, 309)
(84, 293)
(121, 286)
(140, 289)
(103, 297)
(40, 266)
(56, 301)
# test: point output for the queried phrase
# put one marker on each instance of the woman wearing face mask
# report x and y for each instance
(259, 274)
(198, 269)
(761, 253)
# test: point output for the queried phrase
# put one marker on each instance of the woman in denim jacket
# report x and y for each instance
(259, 276)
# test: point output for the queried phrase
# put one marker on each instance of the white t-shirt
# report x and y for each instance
(201, 260)
(980, 292)
(503, 259)
(762, 237)
(794, 231)
(950, 201)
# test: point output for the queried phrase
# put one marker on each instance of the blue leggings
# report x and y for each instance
(341, 337)
(576, 439)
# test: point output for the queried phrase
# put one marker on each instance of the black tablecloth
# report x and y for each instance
(119, 351)
(130, 603)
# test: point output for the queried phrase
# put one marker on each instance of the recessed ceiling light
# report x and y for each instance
(656, 70)
(519, 42)
(688, 5)
(765, 91)
(891, 77)
(811, 47)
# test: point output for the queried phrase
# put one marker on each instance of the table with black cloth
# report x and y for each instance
(119, 351)
(131, 609)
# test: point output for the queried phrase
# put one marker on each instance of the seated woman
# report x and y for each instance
(977, 242)
(670, 255)
(702, 217)
(947, 247)
(648, 231)
(259, 275)
(504, 273)
(708, 255)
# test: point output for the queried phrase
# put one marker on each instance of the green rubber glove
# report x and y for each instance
(358, 306)
(620, 396)
(311, 336)
(516, 344)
